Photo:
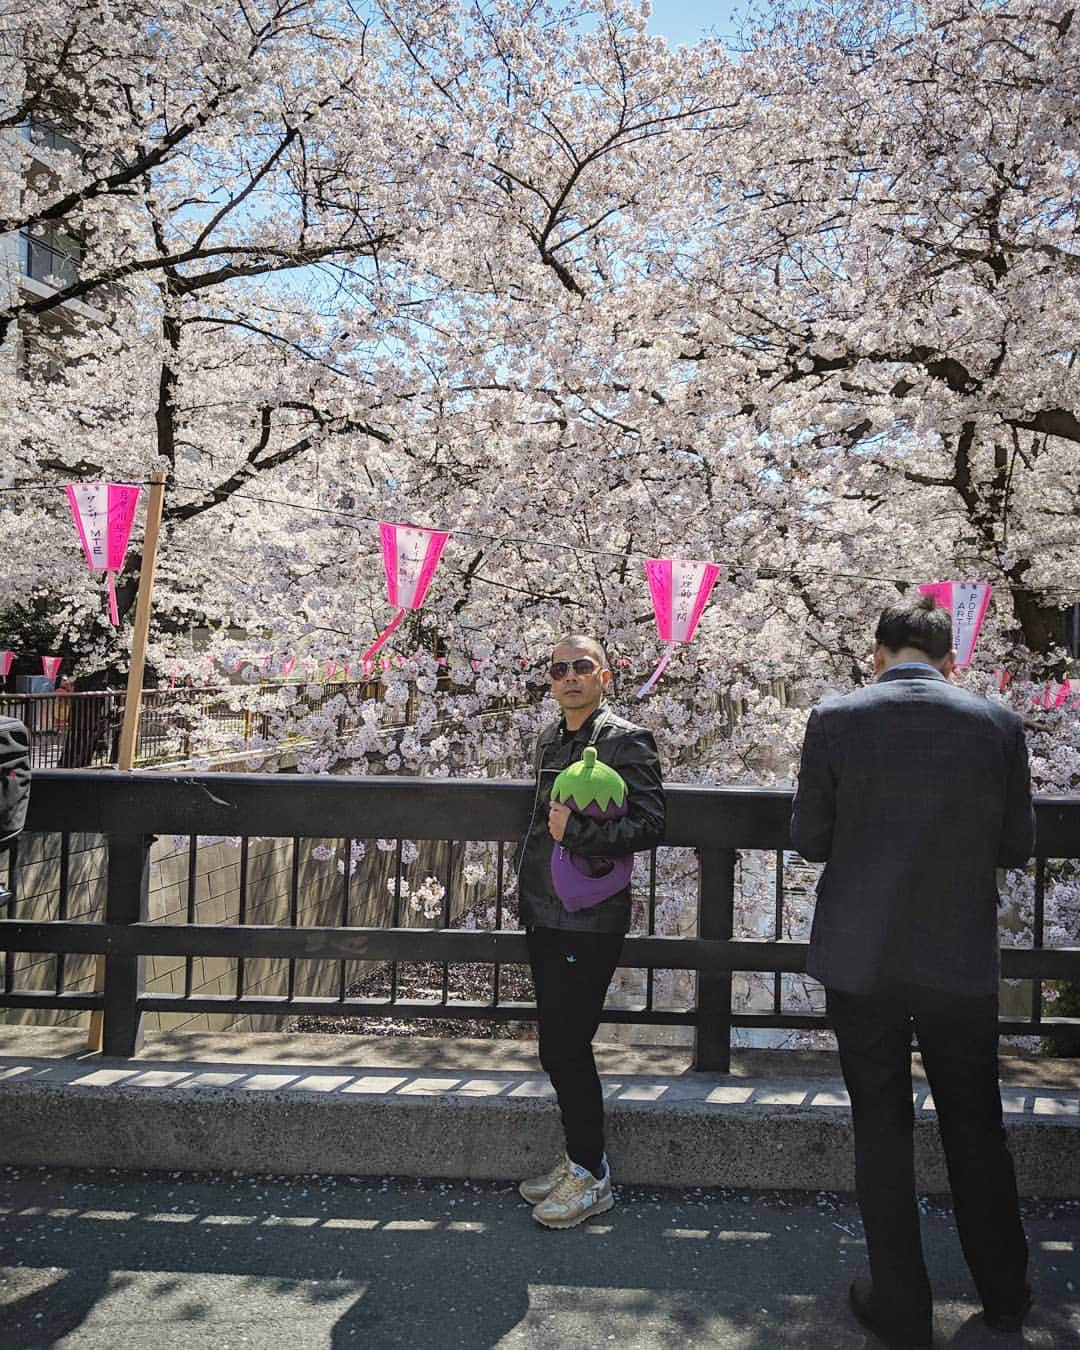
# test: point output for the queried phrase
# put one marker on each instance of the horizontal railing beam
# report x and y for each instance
(276, 806)
(314, 1006)
(440, 944)
(452, 1011)
(322, 806)
(30, 998)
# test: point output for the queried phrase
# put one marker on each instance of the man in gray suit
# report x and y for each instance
(913, 792)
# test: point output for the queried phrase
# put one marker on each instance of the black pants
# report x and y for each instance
(571, 972)
(957, 1038)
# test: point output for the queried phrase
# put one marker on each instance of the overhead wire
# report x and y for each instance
(562, 545)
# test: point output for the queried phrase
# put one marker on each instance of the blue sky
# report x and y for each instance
(687, 20)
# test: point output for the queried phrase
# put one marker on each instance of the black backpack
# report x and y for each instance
(14, 778)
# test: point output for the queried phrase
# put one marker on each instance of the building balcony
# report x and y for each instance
(46, 138)
(47, 265)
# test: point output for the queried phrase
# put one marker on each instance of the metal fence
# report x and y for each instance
(76, 730)
(81, 730)
(719, 824)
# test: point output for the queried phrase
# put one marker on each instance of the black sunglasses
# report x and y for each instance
(558, 670)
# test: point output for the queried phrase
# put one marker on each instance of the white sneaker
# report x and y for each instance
(535, 1189)
(575, 1198)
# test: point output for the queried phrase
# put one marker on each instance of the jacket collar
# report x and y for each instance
(595, 719)
(556, 731)
(911, 671)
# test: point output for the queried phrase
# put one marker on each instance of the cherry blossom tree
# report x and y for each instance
(217, 171)
(525, 272)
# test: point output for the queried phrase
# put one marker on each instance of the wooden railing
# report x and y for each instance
(128, 810)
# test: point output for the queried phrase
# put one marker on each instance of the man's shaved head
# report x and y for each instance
(580, 642)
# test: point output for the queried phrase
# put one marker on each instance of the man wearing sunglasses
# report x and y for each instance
(573, 954)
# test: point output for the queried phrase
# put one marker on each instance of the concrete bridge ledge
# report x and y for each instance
(363, 1106)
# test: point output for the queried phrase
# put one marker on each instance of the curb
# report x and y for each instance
(499, 1127)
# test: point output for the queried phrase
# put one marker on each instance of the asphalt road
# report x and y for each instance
(149, 1261)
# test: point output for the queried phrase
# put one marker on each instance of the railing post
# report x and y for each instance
(126, 901)
(716, 919)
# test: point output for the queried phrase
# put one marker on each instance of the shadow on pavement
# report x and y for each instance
(95, 1261)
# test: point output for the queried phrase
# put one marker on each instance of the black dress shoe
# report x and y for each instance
(999, 1320)
(885, 1328)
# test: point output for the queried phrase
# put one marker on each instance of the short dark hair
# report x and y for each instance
(922, 624)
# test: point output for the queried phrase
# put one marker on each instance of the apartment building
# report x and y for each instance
(37, 262)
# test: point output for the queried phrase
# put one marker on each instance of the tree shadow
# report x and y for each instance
(399, 1263)
(48, 1314)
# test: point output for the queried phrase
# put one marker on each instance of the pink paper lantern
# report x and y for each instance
(680, 589)
(411, 554)
(103, 515)
(51, 666)
(6, 659)
(967, 601)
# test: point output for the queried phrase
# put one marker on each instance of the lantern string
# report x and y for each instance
(114, 612)
(1070, 587)
(386, 632)
(669, 651)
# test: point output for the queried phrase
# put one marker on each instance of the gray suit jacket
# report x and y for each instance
(912, 792)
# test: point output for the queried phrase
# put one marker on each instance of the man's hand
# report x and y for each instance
(558, 815)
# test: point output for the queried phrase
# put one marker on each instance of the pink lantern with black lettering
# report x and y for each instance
(103, 516)
(411, 554)
(50, 666)
(967, 601)
(680, 589)
(6, 659)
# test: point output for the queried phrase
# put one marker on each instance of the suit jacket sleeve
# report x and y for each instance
(813, 812)
(1018, 827)
(643, 825)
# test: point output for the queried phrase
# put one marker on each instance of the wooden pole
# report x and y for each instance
(133, 700)
(143, 604)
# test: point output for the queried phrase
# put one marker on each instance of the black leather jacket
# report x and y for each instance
(632, 751)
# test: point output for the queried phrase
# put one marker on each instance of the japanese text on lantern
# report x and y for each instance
(686, 577)
(411, 553)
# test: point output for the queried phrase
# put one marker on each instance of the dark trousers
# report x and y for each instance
(957, 1038)
(571, 973)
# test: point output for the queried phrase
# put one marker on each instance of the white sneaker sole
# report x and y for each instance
(601, 1207)
(532, 1199)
